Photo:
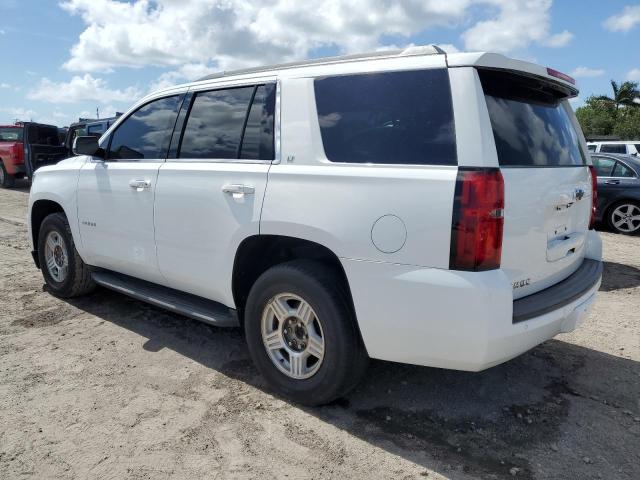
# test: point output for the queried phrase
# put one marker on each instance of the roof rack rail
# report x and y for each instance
(406, 52)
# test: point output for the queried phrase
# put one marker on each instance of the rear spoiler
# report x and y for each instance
(500, 62)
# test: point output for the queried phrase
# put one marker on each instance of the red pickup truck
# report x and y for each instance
(26, 146)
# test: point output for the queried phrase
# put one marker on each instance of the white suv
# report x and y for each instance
(413, 206)
(628, 148)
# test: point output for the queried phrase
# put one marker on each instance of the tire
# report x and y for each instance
(69, 277)
(624, 217)
(6, 179)
(320, 378)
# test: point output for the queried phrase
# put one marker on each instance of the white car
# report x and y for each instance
(413, 206)
(624, 147)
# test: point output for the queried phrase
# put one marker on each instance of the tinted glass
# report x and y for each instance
(257, 141)
(637, 145)
(41, 135)
(603, 166)
(391, 117)
(215, 123)
(95, 129)
(531, 126)
(145, 134)
(10, 134)
(613, 148)
(592, 148)
(621, 170)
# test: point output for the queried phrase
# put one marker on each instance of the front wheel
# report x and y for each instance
(63, 270)
(624, 218)
(301, 333)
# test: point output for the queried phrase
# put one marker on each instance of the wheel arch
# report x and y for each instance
(258, 253)
(39, 211)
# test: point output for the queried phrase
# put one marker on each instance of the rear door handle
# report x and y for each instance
(238, 190)
(612, 182)
(140, 185)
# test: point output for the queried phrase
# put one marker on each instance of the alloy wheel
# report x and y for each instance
(292, 335)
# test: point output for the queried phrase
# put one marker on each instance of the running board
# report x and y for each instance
(185, 304)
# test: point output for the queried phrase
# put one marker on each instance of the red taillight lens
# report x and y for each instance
(594, 197)
(478, 216)
(17, 151)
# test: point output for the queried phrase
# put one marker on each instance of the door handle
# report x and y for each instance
(612, 182)
(238, 190)
(140, 185)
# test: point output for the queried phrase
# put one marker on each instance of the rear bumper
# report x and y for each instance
(451, 319)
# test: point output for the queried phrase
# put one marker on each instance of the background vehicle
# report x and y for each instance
(87, 126)
(25, 147)
(409, 206)
(618, 191)
(623, 147)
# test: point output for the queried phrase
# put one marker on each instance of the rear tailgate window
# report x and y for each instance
(531, 124)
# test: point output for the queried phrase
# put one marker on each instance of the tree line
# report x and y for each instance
(616, 115)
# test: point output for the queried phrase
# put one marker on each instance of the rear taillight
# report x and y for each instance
(478, 216)
(17, 152)
(594, 196)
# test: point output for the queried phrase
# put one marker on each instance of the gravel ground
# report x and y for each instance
(108, 387)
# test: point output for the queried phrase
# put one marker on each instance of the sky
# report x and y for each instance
(64, 59)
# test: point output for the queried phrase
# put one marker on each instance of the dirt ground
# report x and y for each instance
(108, 387)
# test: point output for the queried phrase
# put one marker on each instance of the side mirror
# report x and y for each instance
(87, 145)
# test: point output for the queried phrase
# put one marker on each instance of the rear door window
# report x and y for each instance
(387, 118)
(215, 122)
(603, 166)
(613, 148)
(531, 123)
(621, 170)
(145, 134)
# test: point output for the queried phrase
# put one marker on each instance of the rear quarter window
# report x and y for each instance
(531, 123)
(387, 118)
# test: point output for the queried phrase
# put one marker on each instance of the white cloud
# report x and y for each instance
(559, 39)
(518, 24)
(624, 21)
(4, 85)
(230, 34)
(584, 72)
(81, 88)
(18, 113)
(634, 75)
(186, 73)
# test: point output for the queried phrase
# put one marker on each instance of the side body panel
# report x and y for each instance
(199, 227)
(379, 213)
(116, 220)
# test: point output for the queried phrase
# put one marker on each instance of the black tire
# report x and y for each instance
(6, 180)
(625, 230)
(78, 279)
(345, 359)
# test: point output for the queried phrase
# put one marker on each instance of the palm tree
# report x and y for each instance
(626, 94)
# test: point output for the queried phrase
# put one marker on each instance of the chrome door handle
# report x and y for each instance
(238, 190)
(612, 182)
(140, 185)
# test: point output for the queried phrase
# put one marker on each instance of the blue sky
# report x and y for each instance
(64, 59)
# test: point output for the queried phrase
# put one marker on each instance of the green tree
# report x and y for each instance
(597, 117)
(624, 94)
(627, 124)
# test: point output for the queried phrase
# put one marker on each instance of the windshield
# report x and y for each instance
(11, 134)
(531, 122)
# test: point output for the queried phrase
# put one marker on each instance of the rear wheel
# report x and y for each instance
(6, 179)
(301, 333)
(63, 270)
(624, 217)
